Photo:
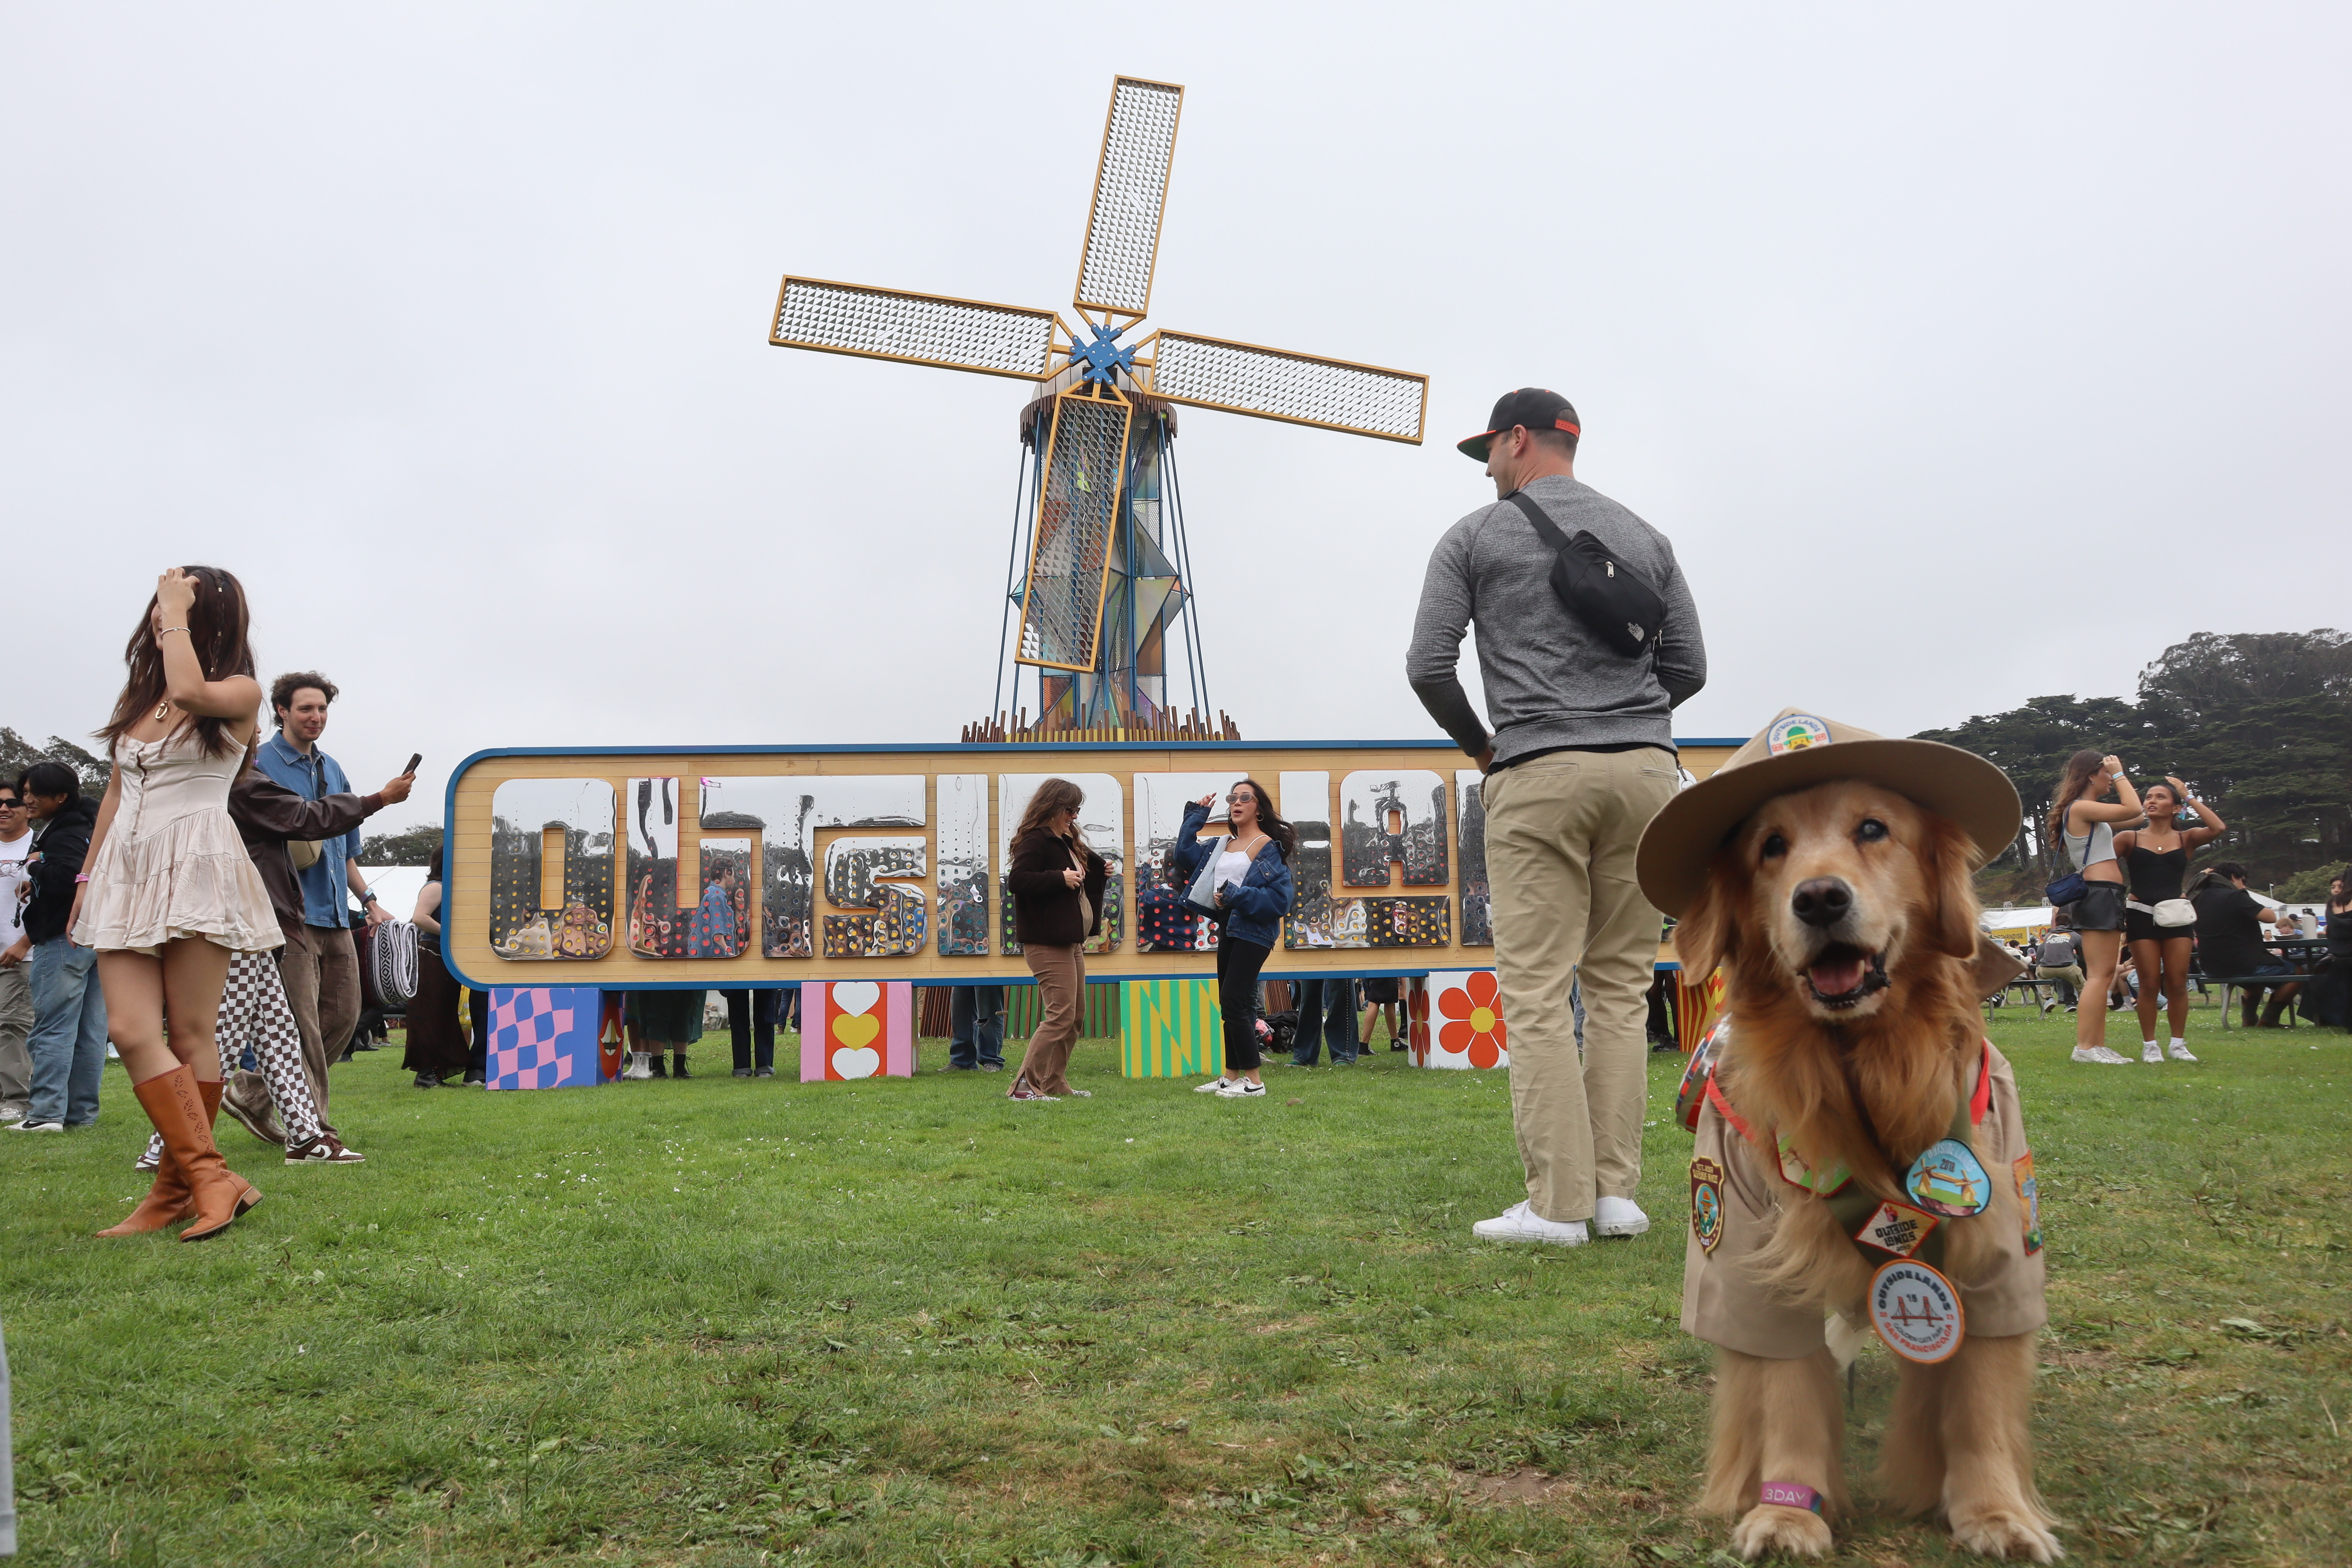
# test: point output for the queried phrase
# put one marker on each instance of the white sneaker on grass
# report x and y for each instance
(1213, 1086)
(2101, 1055)
(2149, 1051)
(2179, 1049)
(1241, 1089)
(1521, 1223)
(1619, 1217)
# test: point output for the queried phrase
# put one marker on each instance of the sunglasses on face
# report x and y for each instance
(12, 805)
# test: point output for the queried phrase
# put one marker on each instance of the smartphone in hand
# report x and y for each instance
(414, 758)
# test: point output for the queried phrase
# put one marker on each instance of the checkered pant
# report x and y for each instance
(253, 1011)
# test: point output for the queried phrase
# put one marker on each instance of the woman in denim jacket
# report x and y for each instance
(1253, 893)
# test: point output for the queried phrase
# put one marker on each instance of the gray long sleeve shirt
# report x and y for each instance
(1551, 681)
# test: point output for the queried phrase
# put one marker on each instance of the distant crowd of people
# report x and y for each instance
(2132, 890)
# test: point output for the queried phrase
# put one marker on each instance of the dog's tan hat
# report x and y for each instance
(1797, 751)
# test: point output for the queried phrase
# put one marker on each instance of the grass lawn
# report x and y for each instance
(736, 1323)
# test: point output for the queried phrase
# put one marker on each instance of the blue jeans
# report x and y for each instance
(1326, 1014)
(976, 1025)
(68, 1039)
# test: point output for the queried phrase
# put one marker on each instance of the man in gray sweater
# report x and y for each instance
(1581, 757)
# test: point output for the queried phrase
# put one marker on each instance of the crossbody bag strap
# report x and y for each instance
(1546, 529)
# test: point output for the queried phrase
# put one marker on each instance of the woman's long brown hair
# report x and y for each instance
(1053, 797)
(2074, 783)
(217, 624)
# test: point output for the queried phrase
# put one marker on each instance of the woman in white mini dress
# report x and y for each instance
(168, 892)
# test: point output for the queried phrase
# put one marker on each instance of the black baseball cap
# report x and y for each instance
(1532, 406)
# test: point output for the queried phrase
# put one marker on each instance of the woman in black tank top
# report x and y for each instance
(2155, 863)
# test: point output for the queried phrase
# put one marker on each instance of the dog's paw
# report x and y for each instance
(2008, 1533)
(1768, 1527)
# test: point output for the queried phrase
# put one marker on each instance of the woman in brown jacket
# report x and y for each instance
(1057, 883)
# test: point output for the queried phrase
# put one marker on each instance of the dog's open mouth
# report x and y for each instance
(1843, 974)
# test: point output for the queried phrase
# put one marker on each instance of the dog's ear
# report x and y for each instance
(1951, 889)
(1707, 936)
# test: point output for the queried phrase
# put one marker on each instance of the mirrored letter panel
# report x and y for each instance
(765, 864)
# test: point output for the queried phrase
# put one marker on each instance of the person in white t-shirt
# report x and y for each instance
(16, 979)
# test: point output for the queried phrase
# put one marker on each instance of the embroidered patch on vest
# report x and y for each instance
(2029, 1201)
(1948, 1180)
(1898, 1228)
(1706, 1202)
(1822, 1184)
(1916, 1311)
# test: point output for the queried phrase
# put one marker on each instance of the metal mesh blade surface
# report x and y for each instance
(918, 328)
(1130, 190)
(1300, 388)
(1069, 560)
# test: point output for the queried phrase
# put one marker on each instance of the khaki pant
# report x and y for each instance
(15, 1027)
(321, 972)
(1061, 974)
(1561, 834)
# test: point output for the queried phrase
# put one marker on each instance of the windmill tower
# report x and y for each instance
(1099, 520)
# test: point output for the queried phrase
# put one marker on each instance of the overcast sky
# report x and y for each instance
(1966, 354)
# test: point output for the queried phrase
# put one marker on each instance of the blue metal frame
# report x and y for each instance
(572, 974)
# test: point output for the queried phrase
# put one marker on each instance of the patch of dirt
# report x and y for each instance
(1520, 1486)
(1286, 1325)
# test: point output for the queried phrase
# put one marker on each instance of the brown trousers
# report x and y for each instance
(1561, 834)
(321, 971)
(1061, 974)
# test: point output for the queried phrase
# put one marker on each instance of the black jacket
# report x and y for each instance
(55, 862)
(1044, 907)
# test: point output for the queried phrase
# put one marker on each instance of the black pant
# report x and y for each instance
(752, 1016)
(477, 1008)
(1238, 962)
(1330, 1005)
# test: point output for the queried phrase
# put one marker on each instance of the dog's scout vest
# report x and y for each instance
(1739, 1183)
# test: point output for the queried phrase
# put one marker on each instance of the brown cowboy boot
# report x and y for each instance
(170, 1199)
(182, 1112)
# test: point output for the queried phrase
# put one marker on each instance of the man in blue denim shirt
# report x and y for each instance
(320, 966)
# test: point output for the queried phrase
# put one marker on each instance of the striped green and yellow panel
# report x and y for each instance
(1171, 1029)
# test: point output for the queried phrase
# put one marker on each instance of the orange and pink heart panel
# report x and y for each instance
(857, 1028)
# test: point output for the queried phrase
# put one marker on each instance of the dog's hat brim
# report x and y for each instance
(1797, 751)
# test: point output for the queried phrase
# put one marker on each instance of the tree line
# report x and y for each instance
(2258, 724)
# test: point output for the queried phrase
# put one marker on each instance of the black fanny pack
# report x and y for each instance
(1596, 587)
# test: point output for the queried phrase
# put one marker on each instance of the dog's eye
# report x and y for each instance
(1871, 831)
(1775, 847)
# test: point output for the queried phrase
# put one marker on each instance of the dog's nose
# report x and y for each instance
(1823, 901)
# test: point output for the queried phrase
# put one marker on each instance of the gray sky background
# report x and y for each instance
(1965, 355)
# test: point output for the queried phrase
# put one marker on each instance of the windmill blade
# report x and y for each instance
(1069, 558)
(914, 329)
(1299, 389)
(1130, 192)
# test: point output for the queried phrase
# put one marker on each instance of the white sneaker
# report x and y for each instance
(2149, 1051)
(1240, 1089)
(2180, 1051)
(1521, 1223)
(640, 1066)
(1619, 1217)
(1214, 1086)
(29, 1125)
(2101, 1055)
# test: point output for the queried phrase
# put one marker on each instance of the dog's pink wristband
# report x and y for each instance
(1789, 1494)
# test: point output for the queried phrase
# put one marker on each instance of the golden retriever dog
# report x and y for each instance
(1843, 918)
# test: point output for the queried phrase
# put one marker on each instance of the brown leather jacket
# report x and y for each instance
(268, 814)
(1044, 907)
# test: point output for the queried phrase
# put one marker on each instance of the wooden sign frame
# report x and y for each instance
(467, 854)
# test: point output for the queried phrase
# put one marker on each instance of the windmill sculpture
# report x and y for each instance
(1102, 593)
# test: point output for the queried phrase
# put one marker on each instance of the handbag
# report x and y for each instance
(303, 852)
(2170, 912)
(387, 954)
(1595, 587)
(2067, 889)
(1202, 898)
